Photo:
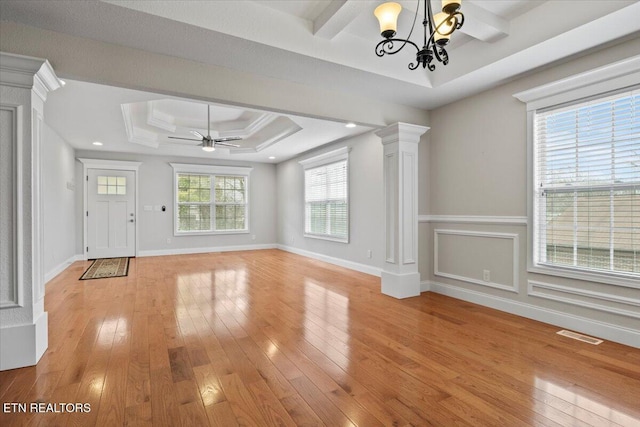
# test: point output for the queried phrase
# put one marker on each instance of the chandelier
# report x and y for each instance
(437, 30)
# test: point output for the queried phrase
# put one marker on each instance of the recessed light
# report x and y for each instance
(271, 158)
(97, 143)
(350, 125)
(62, 82)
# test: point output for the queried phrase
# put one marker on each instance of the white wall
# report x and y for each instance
(155, 188)
(365, 207)
(59, 188)
(477, 166)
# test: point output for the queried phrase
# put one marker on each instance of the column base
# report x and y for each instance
(401, 285)
(23, 345)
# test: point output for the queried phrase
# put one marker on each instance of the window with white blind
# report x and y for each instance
(326, 196)
(586, 187)
(211, 199)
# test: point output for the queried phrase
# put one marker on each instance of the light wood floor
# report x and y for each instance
(272, 338)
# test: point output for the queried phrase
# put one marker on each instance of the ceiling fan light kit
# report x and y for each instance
(207, 145)
(436, 33)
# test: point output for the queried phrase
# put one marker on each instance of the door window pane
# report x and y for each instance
(112, 185)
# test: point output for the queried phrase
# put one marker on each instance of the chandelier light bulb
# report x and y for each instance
(387, 14)
(442, 27)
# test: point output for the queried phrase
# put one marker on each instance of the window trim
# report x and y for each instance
(324, 159)
(601, 81)
(213, 170)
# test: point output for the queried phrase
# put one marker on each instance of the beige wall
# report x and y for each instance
(477, 165)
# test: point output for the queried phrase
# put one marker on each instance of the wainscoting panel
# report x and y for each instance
(466, 255)
(623, 306)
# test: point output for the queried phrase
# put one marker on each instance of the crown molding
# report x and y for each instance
(600, 80)
(28, 73)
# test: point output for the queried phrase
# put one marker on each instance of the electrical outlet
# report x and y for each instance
(168, 240)
(253, 237)
(369, 253)
(486, 275)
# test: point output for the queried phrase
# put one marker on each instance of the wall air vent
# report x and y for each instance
(579, 337)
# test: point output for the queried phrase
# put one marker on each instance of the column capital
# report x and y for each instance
(404, 132)
(28, 73)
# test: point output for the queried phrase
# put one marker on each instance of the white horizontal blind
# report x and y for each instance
(326, 201)
(587, 185)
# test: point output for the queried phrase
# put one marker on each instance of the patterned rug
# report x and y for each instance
(103, 268)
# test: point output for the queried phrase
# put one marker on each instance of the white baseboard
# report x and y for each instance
(363, 268)
(183, 251)
(60, 268)
(23, 345)
(425, 286)
(607, 331)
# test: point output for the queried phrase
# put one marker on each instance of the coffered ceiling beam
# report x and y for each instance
(335, 17)
(483, 25)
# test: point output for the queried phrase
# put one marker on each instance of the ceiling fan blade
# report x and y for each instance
(226, 144)
(230, 138)
(198, 134)
(186, 139)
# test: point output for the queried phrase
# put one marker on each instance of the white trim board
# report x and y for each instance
(600, 80)
(537, 289)
(607, 331)
(27, 343)
(362, 268)
(51, 274)
(204, 250)
(475, 219)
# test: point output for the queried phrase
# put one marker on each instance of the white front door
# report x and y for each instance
(111, 220)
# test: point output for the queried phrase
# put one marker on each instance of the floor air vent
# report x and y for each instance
(579, 337)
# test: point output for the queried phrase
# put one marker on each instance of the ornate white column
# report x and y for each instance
(400, 276)
(24, 84)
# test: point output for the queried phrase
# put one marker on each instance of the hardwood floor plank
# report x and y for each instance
(324, 409)
(208, 385)
(164, 408)
(272, 410)
(221, 415)
(139, 415)
(243, 406)
(180, 365)
(193, 414)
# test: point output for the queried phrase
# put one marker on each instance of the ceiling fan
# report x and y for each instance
(208, 143)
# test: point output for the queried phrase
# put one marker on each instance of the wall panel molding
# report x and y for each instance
(541, 290)
(479, 234)
(474, 219)
(11, 196)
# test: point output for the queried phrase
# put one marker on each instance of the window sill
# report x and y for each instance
(617, 279)
(329, 238)
(208, 233)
